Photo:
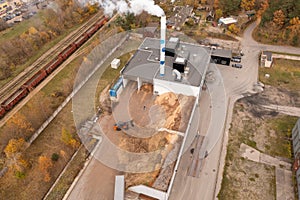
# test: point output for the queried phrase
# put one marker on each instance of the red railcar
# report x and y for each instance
(101, 22)
(79, 41)
(92, 30)
(13, 99)
(35, 79)
(68, 51)
(52, 65)
(2, 112)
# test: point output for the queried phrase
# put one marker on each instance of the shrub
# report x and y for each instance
(54, 157)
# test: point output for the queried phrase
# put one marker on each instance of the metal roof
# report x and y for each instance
(226, 21)
(145, 63)
(119, 188)
(222, 53)
(268, 54)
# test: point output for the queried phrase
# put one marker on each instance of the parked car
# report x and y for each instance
(236, 65)
(237, 57)
(18, 20)
(17, 13)
(236, 60)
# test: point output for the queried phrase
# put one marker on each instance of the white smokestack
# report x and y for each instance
(163, 27)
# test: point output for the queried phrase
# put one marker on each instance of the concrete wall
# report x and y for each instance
(296, 138)
(161, 87)
(296, 149)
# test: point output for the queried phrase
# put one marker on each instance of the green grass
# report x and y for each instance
(288, 54)
(20, 28)
(110, 75)
(281, 144)
(283, 74)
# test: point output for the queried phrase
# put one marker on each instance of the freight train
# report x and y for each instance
(43, 73)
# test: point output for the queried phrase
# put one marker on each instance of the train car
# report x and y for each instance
(68, 51)
(13, 99)
(35, 79)
(92, 30)
(52, 65)
(101, 22)
(79, 41)
(2, 112)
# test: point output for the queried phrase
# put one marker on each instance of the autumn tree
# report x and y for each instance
(13, 152)
(19, 126)
(247, 4)
(219, 14)
(229, 7)
(294, 24)
(233, 29)
(45, 164)
(278, 18)
(68, 139)
(215, 4)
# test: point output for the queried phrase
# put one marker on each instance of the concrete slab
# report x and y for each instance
(269, 160)
(249, 153)
(284, 186)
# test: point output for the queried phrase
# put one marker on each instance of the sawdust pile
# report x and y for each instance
(170, 103)
(177, 109)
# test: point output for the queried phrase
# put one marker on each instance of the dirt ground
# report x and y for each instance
(167, 111)
(265, 130)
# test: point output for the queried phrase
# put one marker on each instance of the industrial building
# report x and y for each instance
(171, 65)
(185, 66)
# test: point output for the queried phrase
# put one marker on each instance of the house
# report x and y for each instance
(266, 59)
(296, 149)
(210, 16)
(3, 6)
(226, 21)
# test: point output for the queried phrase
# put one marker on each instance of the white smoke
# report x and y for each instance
(131, 6)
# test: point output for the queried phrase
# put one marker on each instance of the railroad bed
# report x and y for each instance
(23, 84)
(19, 80)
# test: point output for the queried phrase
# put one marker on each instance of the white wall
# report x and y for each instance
(268, 63)
(161, 87)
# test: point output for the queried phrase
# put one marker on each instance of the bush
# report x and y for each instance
(54, 157)
(20, 174)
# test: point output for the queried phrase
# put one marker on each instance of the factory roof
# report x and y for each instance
(222, 53)
(172, 43)
(145, 63)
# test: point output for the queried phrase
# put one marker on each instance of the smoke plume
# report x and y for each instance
(131, 6)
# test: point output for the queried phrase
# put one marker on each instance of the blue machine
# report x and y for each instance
(114, 90)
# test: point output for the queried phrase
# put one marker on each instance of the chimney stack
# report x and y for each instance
(163, 27)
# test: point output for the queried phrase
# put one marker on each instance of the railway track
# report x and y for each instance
(15, 83)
